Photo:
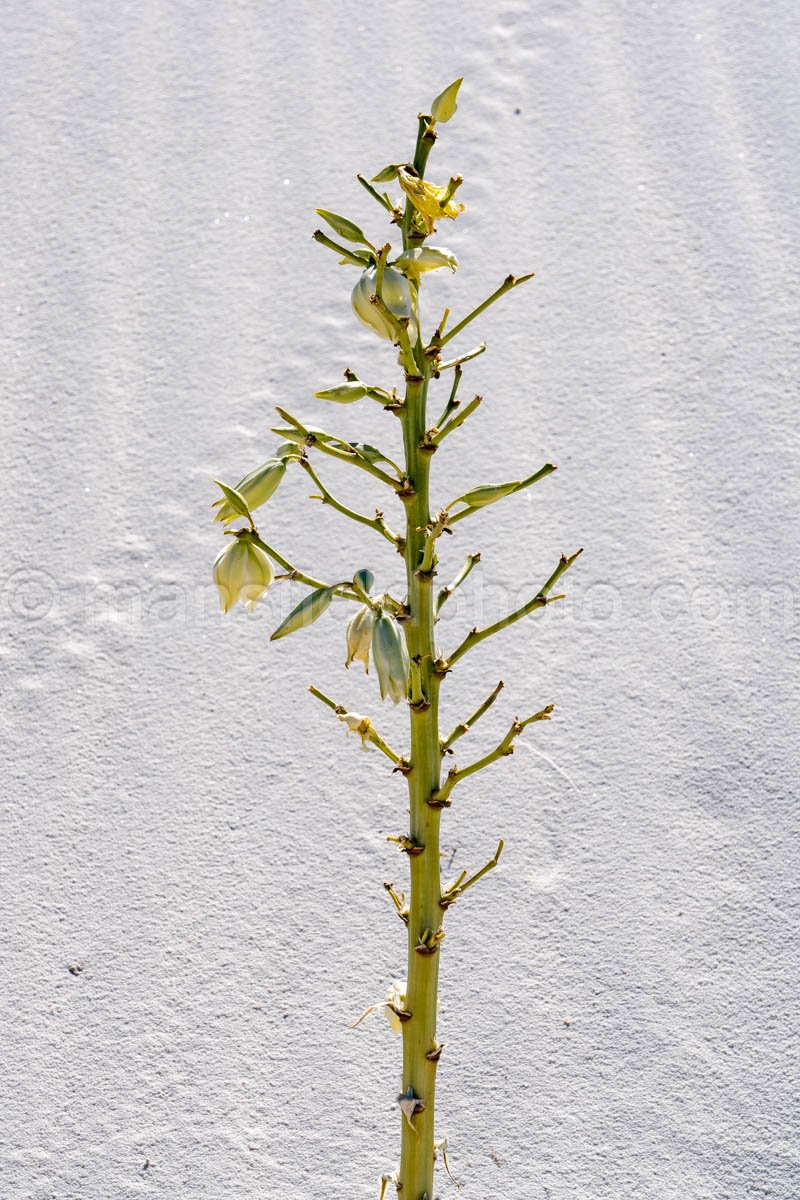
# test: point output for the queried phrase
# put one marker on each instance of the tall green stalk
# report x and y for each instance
(420, 1048)
(409, 667)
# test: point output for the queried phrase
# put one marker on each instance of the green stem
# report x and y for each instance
(540, 600)
(299, 576)
(461, 416)
(503, 748)
(331, 446)
(325, 496)
(426, 136)
(462, 883)
(420, 1047)
(465, 726)
(446, 592)
(458, 362)
(511, 281)
(360, 260)
(452, 400)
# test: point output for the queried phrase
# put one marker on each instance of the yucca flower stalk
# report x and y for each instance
(399, 632)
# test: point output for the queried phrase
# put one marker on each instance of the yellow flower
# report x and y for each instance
(427, 199)
(356, 723)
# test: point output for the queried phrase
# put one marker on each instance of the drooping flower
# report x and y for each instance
(427, 199)
(241, 571)
(359, 638)
(396, 295)
(391, 658)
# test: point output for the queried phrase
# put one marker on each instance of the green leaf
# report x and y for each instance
(370, 453)
(444, 106)
(235, 499)
(344, 228)
(309, 610)
(386, 175)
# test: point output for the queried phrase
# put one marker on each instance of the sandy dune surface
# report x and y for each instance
(192, 849)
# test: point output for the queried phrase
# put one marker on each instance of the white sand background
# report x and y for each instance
(194, 836)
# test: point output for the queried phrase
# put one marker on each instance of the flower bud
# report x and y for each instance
(487, 493)
(241, 570)
(359, 638)
(444, 106)
(344, 393)
(425, 258)
(309, 610)
(256, 488)
(396, 296)
(391, 658)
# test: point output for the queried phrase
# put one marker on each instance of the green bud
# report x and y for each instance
(364, 580)
(344, 228)
(255, 489)
(359, 638)
(396, 297)
(241, 571)
(344, 393)
(444, 106)
(486, 494)
(391, 658)
(285, 450)
(309, 610)
(489, 492)
(425, 258)
(297, 437)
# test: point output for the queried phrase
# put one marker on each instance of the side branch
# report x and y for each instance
(457, 362)
(510, 282)
(452, 400)
(372, 522)
(461, 416)
(441, 798)
(540, 600)
(293, 573)
(446, 592)
(460, 885)
(465, 726)
(336, 448)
